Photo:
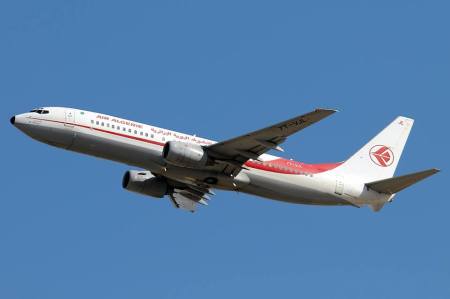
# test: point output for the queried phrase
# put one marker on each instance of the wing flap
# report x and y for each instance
(182, 202)
(188, 198)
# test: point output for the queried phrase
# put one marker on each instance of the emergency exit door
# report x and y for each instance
(339, 189)
(70, 118)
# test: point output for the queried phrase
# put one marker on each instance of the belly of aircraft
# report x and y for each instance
(256, 182)
(292, 189)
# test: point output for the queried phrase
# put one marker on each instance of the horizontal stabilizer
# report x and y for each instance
(396, 184)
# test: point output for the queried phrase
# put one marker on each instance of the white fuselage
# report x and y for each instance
(141, 146)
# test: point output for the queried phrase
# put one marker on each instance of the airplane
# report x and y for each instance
(187, 168)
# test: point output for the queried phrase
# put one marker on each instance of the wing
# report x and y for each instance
(233, 153)
(187, 197)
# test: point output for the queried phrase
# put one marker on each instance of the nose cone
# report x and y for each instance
(19, 121)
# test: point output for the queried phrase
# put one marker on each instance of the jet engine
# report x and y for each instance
(143, 182)
(185, 154)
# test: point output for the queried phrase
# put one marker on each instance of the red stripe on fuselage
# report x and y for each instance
(131, 137)
(278, 165)
(104, 131)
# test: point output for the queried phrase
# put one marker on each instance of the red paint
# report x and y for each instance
(291, 167)
(381, 155)
(128, 136)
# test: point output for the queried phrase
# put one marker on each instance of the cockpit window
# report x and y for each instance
(40, 111)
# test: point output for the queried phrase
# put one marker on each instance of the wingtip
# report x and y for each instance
(405, 117)
(327, 110)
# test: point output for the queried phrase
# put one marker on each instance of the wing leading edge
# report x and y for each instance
(233, 153)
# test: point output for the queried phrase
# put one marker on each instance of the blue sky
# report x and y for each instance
(218, 70)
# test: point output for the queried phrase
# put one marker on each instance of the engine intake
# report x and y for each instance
(185, 154)
(143, 182)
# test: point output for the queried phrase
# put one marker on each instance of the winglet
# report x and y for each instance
(327, 109)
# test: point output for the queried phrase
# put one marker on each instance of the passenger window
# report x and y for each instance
(103, 124)
(107, 124)
(124, 129)
(97, 122)
(142, 134)
(129, 130)
(135, 132)
(163, 139)
(152, 136)
(113, 126)
(92, 121)
(146, 134)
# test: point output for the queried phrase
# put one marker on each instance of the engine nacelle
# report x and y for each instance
(185, 154)
(143, 182)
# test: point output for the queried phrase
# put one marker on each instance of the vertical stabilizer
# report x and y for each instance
(378, 159)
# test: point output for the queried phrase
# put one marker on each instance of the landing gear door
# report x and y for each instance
(69, 118)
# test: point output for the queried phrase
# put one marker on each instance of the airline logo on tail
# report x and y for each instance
(381, 155)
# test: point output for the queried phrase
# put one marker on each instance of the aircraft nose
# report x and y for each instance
(13, 120)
